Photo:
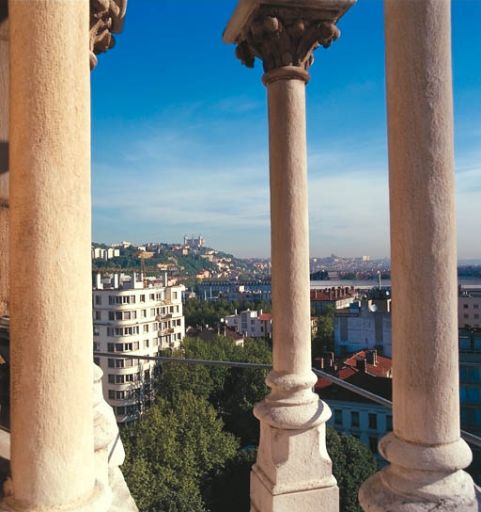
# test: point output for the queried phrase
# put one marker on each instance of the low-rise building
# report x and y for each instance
(105, 253)
(133, 318)
(469, 307)
(251, 324)
(337, 298)
(235, 290)
(351, 413)
(365, 324)
(470, 388)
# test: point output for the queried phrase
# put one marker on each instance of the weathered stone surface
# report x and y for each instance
(425, 450)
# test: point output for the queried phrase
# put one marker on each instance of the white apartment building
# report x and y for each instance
(469, 307)
(366, 324)
(105, 254)
(135, 319)
(251, 324)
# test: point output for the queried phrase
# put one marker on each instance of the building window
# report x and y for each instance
(142, 298)
(372, 419)
(96, 331)
(389, 423)
(110, 347)
(111, 394)
(373, 444)
(96, 346)
(146, 328)
(355, 419)
(476, 306)
(120, 411)
(337, 417)
(465, 306)
(98, 315)
(98, 300)
(466, 316)
(97, 361)
(111, 379)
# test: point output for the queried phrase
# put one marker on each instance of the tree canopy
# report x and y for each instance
(193, 450)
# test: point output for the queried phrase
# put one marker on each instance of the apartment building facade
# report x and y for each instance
(469, 307)
(133, 318)
(251, 324)
(365, 324)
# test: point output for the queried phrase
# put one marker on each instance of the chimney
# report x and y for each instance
(115, 281)
(361, 365)
(166, 279)
(98, 281)
(328, 360)
(371, 357)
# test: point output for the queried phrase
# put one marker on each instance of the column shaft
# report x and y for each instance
(292, 470)
(289, 226)
(51, 322)
(425, 451)
(423, 221)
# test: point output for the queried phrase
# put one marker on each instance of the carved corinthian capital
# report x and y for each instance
(284, 33)
(280, 39)
(106, 18)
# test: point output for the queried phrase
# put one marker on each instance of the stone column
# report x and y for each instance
(51, 356)
(293, 470)
(425, 451)
(4, 79)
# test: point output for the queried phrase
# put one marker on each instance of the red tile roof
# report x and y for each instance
(383, 367)
(266, 317)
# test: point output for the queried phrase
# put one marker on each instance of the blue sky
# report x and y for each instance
(180, 134)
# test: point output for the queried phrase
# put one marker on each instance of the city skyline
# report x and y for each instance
(189, 137)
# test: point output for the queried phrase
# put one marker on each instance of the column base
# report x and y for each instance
(99, 501)
(421, 478)
(453, 493)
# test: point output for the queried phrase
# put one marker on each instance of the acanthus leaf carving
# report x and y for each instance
(280, 37)
(106, 18)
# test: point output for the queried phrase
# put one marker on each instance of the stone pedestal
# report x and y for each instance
(290, 462)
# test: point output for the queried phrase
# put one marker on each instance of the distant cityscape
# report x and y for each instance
(193, 260)
(140, 294)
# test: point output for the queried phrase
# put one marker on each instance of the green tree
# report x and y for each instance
(174, 452)
(324, 338)
(352, 464)
(232, 391)
(231, 489)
